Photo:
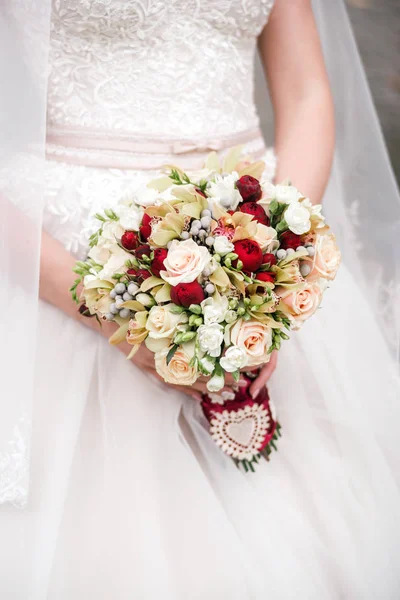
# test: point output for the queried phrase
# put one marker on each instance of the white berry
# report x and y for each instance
(127, 297)
(120, 288)
(124, 313)
(210, 288)
(206, 213)
(281, 254)
(210, 241)
(184, 235)
(133, 288)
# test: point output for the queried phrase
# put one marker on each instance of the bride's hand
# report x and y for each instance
(264, 375)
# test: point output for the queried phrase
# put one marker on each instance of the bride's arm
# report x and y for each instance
(291, 53)
(301, 98)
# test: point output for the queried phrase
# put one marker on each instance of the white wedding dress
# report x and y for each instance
(130, 498)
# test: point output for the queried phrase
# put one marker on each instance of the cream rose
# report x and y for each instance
(185, 261)
(162, 325)
(115, 264)
(178, 371)
(327, 258)
(303, 303)
(266, 238)
(254, 338)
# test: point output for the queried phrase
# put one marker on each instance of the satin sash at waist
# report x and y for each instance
(114, 150)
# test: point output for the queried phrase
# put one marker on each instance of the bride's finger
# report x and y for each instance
(264, 375)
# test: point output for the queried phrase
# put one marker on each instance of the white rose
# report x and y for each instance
(286, 194)
(178, 371)
(224, 192)
(210, 338)
(130, 217)
(315, 211)
(222, 245)
(214, 310)
(115, 264)
(185, 261)
(111, 231)
(100, 254)
(297, 218)
(254, 338)
(235, 358)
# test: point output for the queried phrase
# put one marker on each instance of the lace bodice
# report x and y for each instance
(176, 67)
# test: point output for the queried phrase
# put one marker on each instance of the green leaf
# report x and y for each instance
(171, 353)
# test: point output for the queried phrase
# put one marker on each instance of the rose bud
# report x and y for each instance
(266, 276)
(252, 208)
(269, 259)
(145, 228)
(249, 252)
(130, 240)
(157, 265)
(249, 188)
(142, 274)
(199, 191)
(142, 250)
(288, 239)
(185, 294)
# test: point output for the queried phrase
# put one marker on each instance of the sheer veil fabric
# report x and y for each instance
(322, 520)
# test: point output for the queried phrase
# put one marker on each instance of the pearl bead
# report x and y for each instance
(124, 313)
(305, 269)
(281, 253)
(113, 309)
(120, 288)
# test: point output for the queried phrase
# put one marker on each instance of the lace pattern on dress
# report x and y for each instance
(144, 65)
(14, 466)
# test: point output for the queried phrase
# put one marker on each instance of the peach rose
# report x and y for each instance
(185, 261)
(178, 371)
(327, 258)
(303, 303)
(254, 338)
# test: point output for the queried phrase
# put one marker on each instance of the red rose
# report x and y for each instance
(249, 252)
(160, 254)
(142, 250)
(288, 239)
(185, 294)
(249, 188)
(269, 259)
(145, 228)
(266, 276)
(130, 240)
(252, 208)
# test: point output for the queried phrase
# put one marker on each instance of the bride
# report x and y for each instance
(129, 496)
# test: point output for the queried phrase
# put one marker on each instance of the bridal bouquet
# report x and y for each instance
(210, 270)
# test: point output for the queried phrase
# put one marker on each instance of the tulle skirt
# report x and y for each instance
(131, 498)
